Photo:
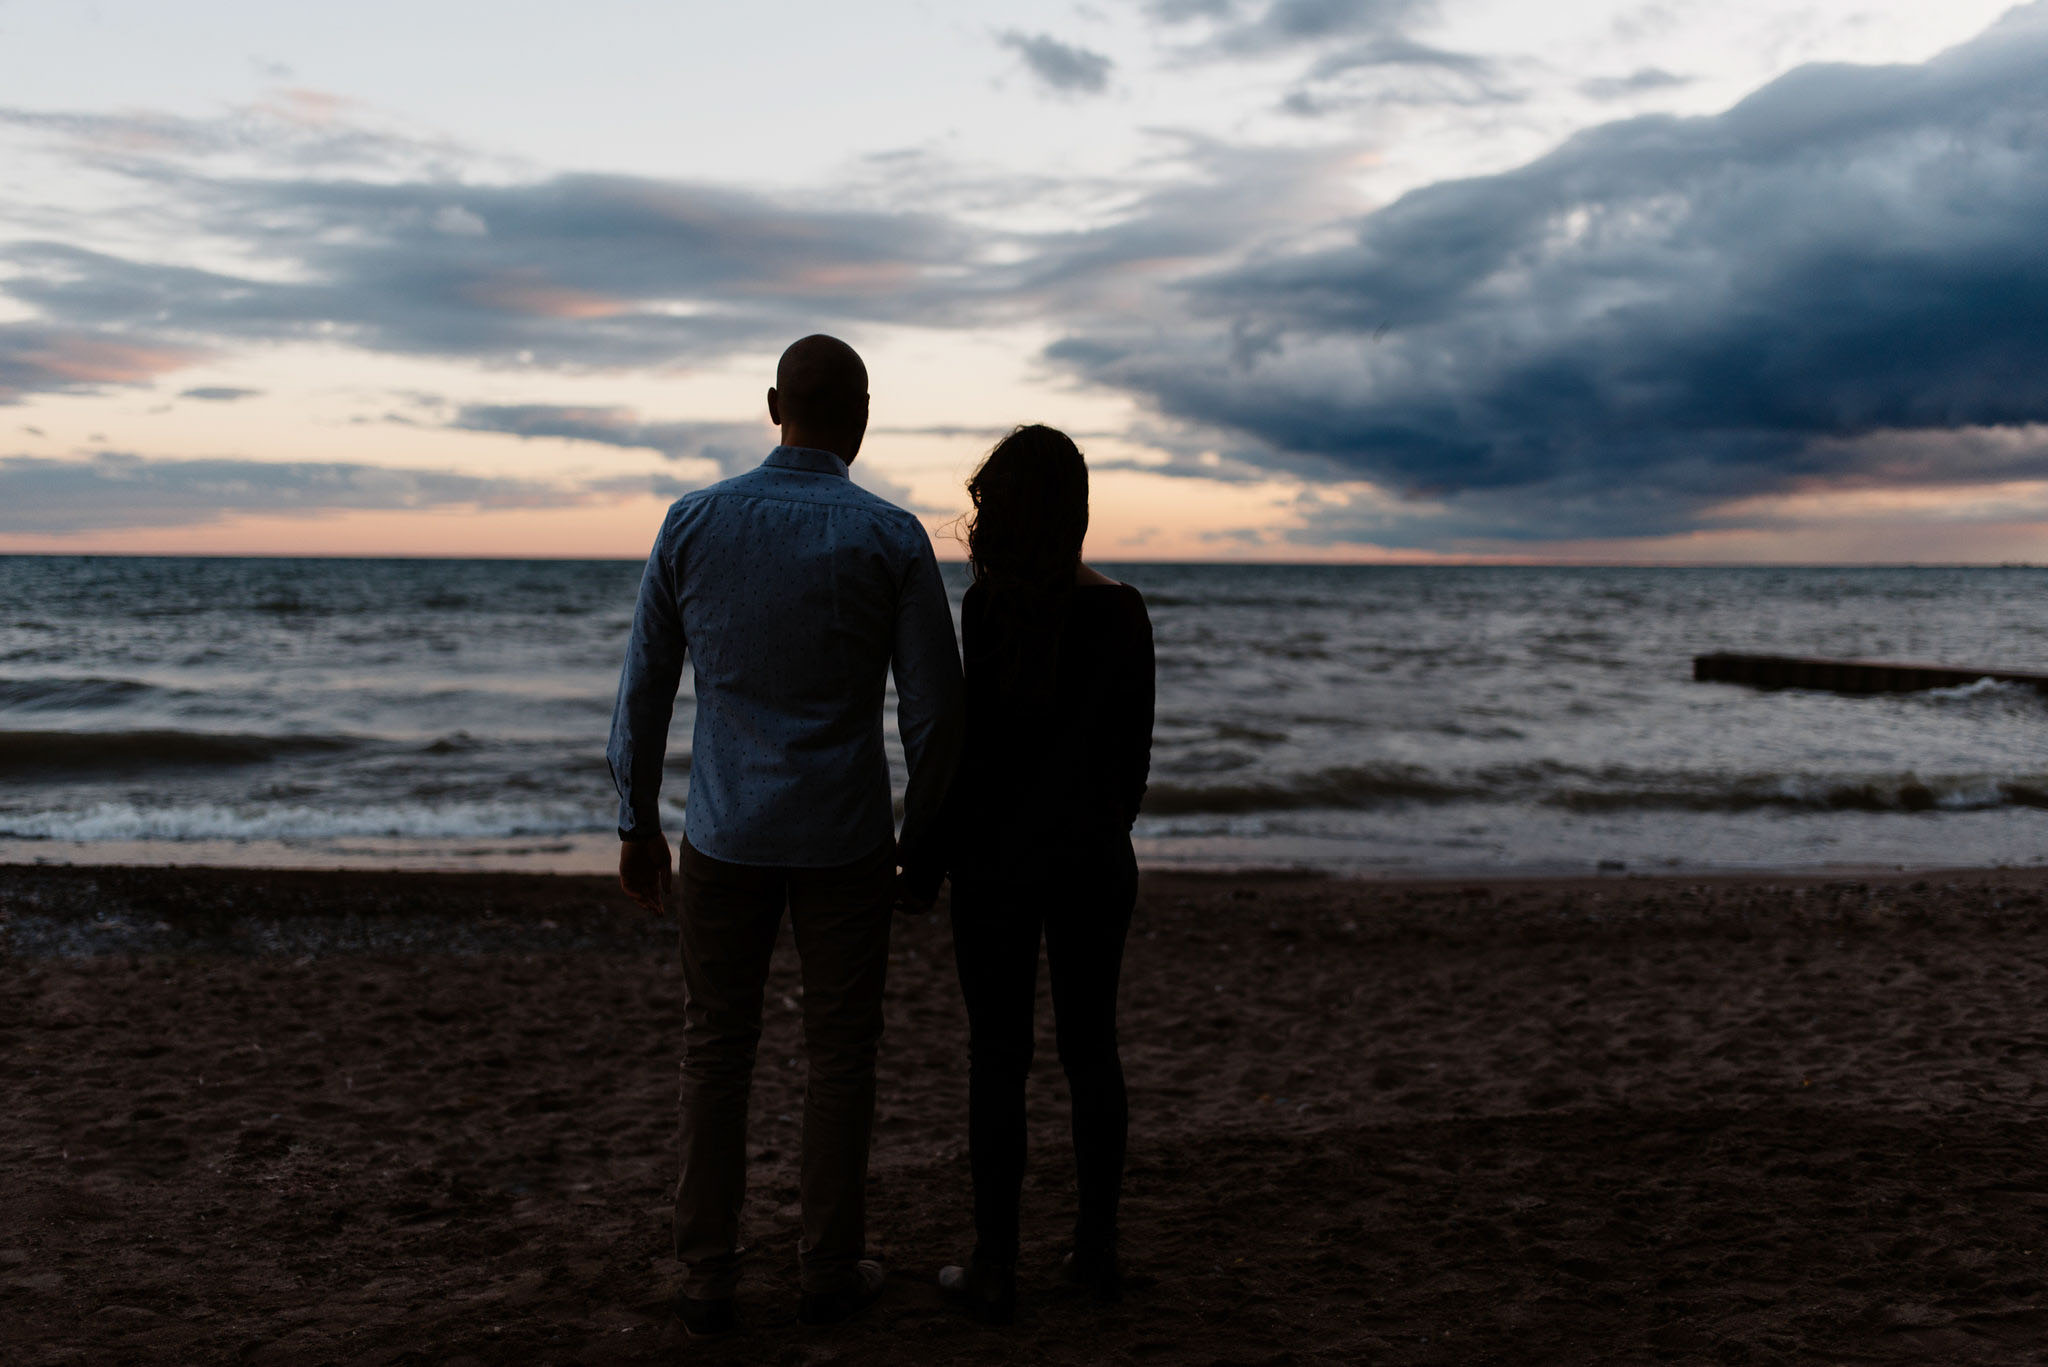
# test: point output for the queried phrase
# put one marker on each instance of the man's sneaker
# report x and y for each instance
(703, 1319)
(987, 1288)
(830, 1307)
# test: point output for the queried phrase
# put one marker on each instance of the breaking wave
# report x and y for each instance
(58, 753)
(1365, 789)
(211, 821)
(65, 694)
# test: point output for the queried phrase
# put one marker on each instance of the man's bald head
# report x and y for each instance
(820, 397)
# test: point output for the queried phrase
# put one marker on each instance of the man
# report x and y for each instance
(794, 592)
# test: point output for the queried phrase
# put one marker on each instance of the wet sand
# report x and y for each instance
(258, 1117)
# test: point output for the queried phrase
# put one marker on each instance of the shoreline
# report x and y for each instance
(593, 856)
(307, 1117)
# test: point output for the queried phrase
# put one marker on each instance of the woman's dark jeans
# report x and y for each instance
(1082, 907)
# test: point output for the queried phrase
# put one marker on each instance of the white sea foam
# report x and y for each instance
(410, 820)
(1980, 688)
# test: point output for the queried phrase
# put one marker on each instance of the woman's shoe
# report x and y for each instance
(987, 1288)
(1093, 1267)
(706, 1319)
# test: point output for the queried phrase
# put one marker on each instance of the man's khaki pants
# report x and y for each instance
(731, 914)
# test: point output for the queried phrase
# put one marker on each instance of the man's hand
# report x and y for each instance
(644, 871)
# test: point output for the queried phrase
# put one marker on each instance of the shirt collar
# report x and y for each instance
(808, 458)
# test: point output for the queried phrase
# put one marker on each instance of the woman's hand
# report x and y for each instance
(911, 900)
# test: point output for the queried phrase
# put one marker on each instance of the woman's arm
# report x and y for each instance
(1135, 701)
(926, 866)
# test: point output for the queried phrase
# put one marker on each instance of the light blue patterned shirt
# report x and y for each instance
(794, 591)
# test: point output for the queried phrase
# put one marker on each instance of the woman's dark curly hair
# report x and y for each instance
(1024, 536)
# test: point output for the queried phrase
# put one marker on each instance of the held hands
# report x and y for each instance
(909, 902)
(908, 898)
(644, 871)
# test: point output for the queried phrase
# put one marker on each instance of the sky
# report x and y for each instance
(1349, 280)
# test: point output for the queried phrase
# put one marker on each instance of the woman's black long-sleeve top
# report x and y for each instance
(1049, 772)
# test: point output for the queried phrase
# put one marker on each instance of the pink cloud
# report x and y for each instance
(525, 292)
(34, 358)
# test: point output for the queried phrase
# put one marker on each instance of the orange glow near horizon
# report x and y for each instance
(329, 405)
(1124, 529)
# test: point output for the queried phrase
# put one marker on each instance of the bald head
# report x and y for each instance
(820, 398)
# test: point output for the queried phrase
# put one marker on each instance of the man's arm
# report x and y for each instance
(640, 718)
(929, 713)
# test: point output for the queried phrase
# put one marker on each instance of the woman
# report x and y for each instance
(1038, 842)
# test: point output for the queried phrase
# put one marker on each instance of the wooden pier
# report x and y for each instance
(1846, 676)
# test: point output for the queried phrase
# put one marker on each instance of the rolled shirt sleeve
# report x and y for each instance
(647, 695)
(930, 713)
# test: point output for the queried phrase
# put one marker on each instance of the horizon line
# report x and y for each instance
(1475, 564)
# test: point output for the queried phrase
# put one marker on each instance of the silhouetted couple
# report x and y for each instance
(794, 593)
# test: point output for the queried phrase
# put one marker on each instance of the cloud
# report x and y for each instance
(732, 446)
(295, 127)
(112, 489)
(1635, 83)
(1396, 70)
(658, 484)
(1060, 66)
(50, 358)
(585, 273)
(895, 491)
(576, 272)
(593, 272)
(986, 434)
(1279, 25)
(1183, 11)
(217, 393)
(1394, 50)
(1212, 202)
(1363, 54)
(1178, 467)
(1660, 316)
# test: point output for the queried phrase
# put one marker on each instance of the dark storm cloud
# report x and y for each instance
(114, 490)
(1660, 315)
(576, 271)
(732, 446)
(1061, 66)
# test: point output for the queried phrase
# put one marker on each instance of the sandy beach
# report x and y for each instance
(259, 1117)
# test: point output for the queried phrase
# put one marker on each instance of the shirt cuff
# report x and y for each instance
(638, 825)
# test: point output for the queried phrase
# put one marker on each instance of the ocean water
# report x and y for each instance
(1402, 720)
